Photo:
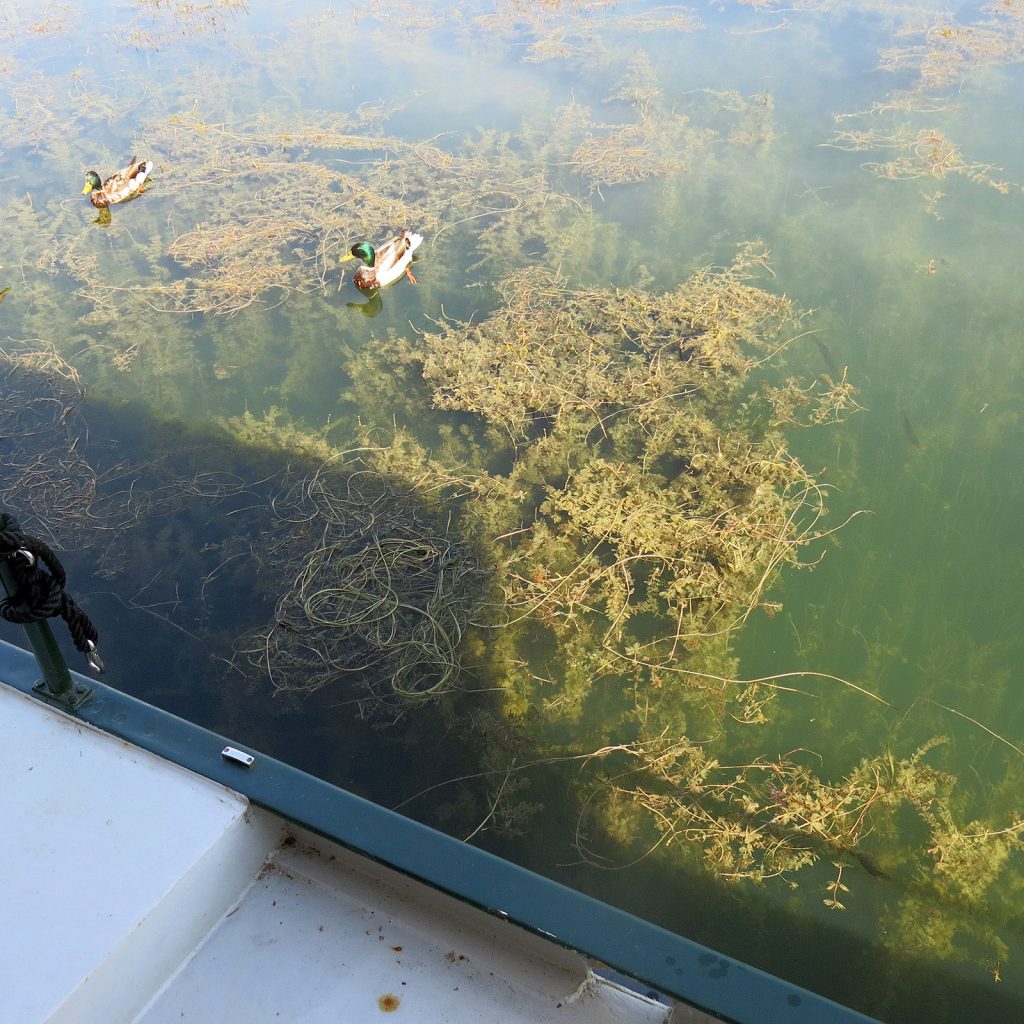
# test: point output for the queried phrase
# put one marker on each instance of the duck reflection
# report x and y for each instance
(373, 305)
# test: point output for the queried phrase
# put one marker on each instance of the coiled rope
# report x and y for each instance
(40, 594)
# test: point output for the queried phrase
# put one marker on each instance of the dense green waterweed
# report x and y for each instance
(216, 295)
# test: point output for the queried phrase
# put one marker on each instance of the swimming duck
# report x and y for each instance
(122, 185)
(387, 264)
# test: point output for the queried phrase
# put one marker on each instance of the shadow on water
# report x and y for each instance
(169, 555)
(169, 546)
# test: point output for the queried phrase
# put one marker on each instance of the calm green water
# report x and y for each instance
(220, 346)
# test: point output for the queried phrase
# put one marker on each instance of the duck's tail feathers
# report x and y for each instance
(140, 170)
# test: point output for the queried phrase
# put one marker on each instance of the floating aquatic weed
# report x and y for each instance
(925, 152)
(384, 590)
(43, 475)
(83, 495)
(256, 218)
(646, 513)
(17, 22)
(155, 24)
(661, 141)
(940, 51)
(827, 399)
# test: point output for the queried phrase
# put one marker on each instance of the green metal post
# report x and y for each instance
(56, 684)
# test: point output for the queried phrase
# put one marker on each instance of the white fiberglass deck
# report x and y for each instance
(136, 891)
(116, 864)
(324, 941)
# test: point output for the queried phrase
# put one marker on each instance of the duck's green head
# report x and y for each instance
(361, 251)
(92, 180)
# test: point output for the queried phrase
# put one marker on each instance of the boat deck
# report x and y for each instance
(316, 938)
(145, 894)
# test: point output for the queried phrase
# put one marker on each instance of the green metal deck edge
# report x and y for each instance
(668, 963)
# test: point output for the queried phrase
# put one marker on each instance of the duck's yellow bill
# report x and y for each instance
(87, 189)
(347, 256)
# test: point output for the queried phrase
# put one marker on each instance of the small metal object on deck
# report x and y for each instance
(238, 756)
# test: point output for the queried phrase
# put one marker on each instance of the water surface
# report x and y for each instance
(872, 149)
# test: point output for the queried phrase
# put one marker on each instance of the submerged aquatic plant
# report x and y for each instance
(43, 474)
(383, 593)
(646, 508)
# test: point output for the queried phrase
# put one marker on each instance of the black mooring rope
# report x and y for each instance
(41, 595)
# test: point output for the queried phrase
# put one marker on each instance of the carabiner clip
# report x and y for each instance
(92, 656)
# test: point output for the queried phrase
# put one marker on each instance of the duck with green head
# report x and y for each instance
(385, 265)
(122, 185)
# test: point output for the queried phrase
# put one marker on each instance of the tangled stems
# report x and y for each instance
(382, 591)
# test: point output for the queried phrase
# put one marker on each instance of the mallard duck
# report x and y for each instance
(387, 264)
(122, 185)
